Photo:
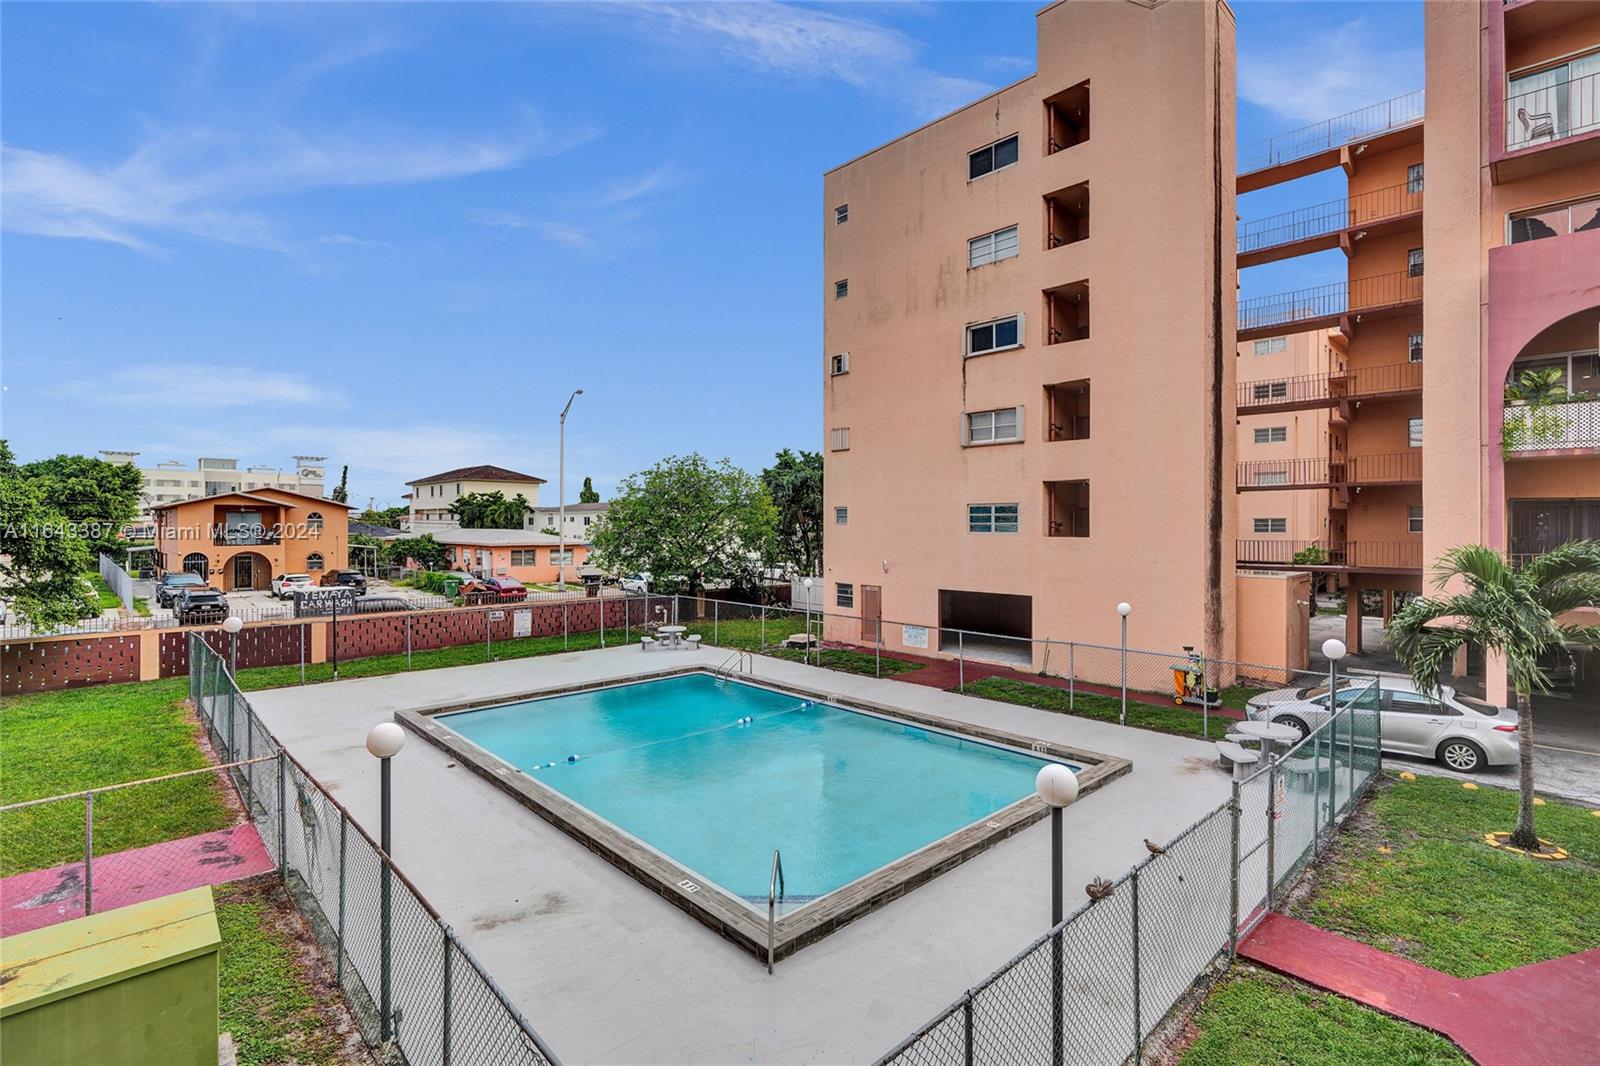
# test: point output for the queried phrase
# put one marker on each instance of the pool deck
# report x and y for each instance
(608, 972)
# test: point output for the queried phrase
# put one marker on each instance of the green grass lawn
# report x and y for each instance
(273, 996)
(746, 635)
(1254, 1018)
(1183, 721)
(100, 593)
(141, 607)
(1442, 897)
(74, 739)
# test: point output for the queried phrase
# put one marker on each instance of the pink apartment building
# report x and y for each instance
(1278, 525)
(1029, 349)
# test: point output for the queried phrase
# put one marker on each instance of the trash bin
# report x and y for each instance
(452, 589)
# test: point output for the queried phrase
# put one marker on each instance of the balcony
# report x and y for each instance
(1307, 392)
(1394, 468)
(1334, 224)
(1545, 430)
(1319, 146)
(1066, 312)
(1554, 123)
(1400, 556)
(1379, 296)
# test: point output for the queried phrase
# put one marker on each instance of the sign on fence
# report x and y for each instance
(914, 636)
(522, 623)
(324, 601)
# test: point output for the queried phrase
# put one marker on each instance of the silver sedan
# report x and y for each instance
(1463, 733)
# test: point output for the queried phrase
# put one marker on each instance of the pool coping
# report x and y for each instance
(733, 919)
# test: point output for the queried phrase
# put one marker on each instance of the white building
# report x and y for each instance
(581, 519)
(171, 481)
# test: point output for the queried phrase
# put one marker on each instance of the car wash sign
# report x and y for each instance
(336, 599)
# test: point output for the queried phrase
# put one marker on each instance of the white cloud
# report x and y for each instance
(198, 387)
(1304, 83)
(643, 185)
(415, 450)
(561, 233)
(196, 180)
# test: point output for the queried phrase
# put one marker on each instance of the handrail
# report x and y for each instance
(775, 892)
(741, 662)
(1369, 121)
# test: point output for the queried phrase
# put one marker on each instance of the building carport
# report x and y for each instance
(978, 624)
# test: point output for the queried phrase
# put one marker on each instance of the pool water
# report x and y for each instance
(716, 774)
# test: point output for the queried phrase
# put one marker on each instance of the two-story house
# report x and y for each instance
(242, 540)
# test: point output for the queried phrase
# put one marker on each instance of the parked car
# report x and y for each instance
(349, 579)
(505, 589)
(195, 606)
(635, 583)
(1461, 732)
(377, 604)
(284, 586)
(174, 582)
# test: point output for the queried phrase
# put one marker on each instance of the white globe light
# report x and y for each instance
(233, 623)
(385, 740)
(1334, 648)
(1124, 609)
(806, 582)
(1056, 785)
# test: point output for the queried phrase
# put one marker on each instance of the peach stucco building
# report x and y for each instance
(529, 556)
(1029, 349)
(1276, 524)
(242, 540)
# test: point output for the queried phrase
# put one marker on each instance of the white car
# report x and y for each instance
(284, 586)
(1463, 733)
(635, 583)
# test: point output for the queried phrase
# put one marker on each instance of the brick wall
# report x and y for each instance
(36, 666)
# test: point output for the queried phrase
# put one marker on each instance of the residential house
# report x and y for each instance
(530, 557)
(242, 540)
(430, 497)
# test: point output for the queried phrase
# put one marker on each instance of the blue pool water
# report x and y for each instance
(673, 763)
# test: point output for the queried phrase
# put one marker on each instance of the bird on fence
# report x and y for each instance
(1153, 848)
(1099, 889)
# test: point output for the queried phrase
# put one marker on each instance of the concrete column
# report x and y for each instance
(1352, 618)
(149, 654)
(1388, 607)
(1495, 689)
(317, 642)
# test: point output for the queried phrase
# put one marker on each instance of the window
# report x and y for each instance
(1414, 178)
(314, 522)
(839, 364)
(841, 214)
(458, 488)
(1272, 435)
(997, 156)
(841, 516)
(1271, 345)
(1414, 263)
(1270, 525)
(314, 561)
(1414, 518)
(524, 556)
(844, 595)
(560, 558)
(995, 336)
(993, 427)
(1272, 477)
(1414, 432)
(841, 288)
(1415, 703)
(1270, 390)
(1557, 221)
(1414, 347)
(839, 439)
(992, 247)
(1067, 408)
(1067, 504)
(992, 518)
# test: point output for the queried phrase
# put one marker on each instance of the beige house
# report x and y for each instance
(430, 497)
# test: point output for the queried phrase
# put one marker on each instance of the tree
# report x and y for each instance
(424, 551)
(341, 491)
(587, 494)
(1514, 613)
(795, 484)
(41, 557)
(97, 498)
(490, 510)
(686, 520)
(387, 516)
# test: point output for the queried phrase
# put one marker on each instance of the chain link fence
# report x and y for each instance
(1094, 989)
(412, 986)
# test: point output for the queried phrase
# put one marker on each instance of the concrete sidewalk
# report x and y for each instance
(609, 972)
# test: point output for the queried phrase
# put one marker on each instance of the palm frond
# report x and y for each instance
(1576, 558)
(1480, 566)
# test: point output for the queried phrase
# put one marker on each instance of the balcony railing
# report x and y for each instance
(1334, 216)
(1308, 390)
(1329, 301)
(1331, 133)
(1351, 555)
(1531, 429)
(1394, 468)
(1564, 108)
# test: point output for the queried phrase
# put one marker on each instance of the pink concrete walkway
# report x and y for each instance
(44, 897)
(1547, 1014)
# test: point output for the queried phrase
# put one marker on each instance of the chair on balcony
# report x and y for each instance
(1536, 125)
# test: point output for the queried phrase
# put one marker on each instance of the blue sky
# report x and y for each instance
(399, 236)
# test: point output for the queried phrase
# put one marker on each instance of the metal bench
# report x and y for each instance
(1238, 759)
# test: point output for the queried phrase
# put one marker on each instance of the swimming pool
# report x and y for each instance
(691, 782)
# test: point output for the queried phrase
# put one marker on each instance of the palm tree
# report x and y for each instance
(1514, 612)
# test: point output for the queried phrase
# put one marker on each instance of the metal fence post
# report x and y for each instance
(302, 630)
(283, 815)
(445, 1009)
(1072, 676)
(877, 653)
(88, 853)
(1333, 776)
(488, 639)
(600, 605)
(1272, 828)
(1350, 758)
(716, 615)
(1138, 1022)
(344, 832)
(566, 633)
(961, 661)
(763, 629)
(966, 1024)
(1233, 874)
(408, 643)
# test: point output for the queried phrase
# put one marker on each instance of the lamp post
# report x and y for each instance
(384, 742)
(1057, 786)
(561, 501)
(231, 625)
(1124, 609)
(805, 652)
(1335, 650)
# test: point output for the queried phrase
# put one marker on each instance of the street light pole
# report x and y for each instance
(561, 501)
(384, 742)
(1057, 786)
(1124, 609)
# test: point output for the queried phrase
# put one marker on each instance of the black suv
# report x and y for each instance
(350, 579)
(174, 582)
(199, 605)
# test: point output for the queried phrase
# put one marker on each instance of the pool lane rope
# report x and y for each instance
(737, 723)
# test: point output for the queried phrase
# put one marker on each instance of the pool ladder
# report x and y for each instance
(740, 662)
(774, 894)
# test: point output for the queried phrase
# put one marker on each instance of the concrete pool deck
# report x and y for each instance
(609, 972)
